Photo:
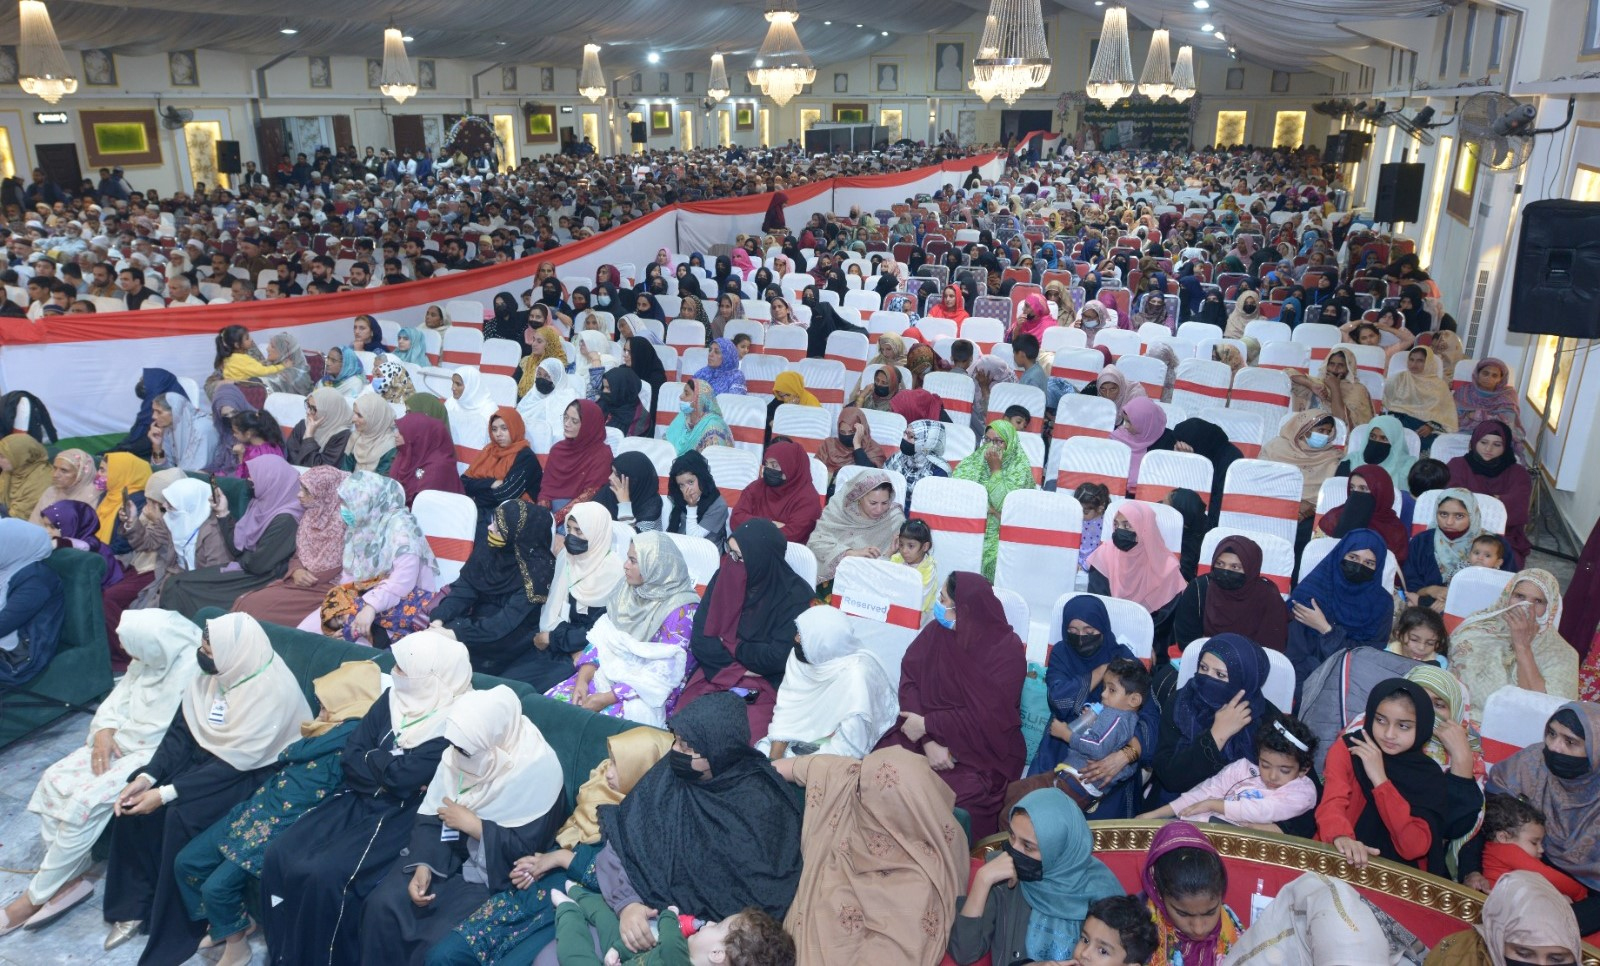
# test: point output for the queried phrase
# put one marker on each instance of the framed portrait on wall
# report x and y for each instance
(744, 117)
(949, 65)
(320, 71)
(660, 119)
(427, 80)
(547, 79)
(885, 75)
(8, 64)
(124, 138)
(1235, 78)
(374, 73)
(688, 82)
(99, 68)
(508, 78)
(663, 82)
(841, 83)
(636, 83)
(1280, 82)
(181, 69)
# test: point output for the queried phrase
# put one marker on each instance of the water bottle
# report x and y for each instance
(1083, 722)
(1259, 901)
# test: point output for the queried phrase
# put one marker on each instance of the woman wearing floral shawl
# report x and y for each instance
(1001, 467)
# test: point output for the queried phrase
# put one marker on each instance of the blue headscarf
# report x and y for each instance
(417, 355)
(726, 377)
(1364, 610)
(157, 383)
(1198, 701)
(375, 344)
(1073, 878)
(1069, 673)
(350, 365)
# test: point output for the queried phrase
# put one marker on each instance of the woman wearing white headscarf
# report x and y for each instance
(181, 436)
(469, 410)
(322, 437)
(1419, 396)
(318, 872)
(594, 358)
(75, 795)
(543, 408)
(588, 570)
(374, 443)
(497, 796)
(638, 653)
(237, 715)
(836, 698)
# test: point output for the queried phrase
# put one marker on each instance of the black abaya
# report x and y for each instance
(396, 931)
(320, 870)
(144, 848)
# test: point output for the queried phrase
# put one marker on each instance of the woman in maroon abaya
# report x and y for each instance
(960, 684)
(783, 494)
(425, 458)
(1491, 468)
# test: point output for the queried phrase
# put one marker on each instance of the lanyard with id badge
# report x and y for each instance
(218, 715)
(446, 833)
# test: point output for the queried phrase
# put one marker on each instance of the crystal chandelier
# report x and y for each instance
(718, 88)
(1013, 57)
(1111, 77)
(399, 81)
(42, 67)
(1156, 80)
(984, 91)
(1183, 86)
(786, 67)
(591, 83)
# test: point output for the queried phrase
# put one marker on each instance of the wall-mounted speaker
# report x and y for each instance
(1399, 193)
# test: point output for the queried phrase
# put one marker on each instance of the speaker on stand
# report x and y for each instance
(228, 157)
(1399, 193)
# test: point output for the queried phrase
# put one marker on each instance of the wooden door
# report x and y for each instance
(270, 139)
(408, 134)
(342, 135)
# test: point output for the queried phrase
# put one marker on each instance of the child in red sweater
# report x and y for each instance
(1515, 841)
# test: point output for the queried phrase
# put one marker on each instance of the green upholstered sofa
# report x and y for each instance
(80, 673)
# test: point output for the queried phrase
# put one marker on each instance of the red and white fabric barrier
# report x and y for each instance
(84, 366)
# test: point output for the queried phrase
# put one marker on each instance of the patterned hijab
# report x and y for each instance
(927, 442)
(383, 529)
(392, 382)
(319, 540)
(640, 611)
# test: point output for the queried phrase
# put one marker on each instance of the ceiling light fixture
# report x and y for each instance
(1220, 35)
(1013, 57)
(1202, 4)
(793, 68)
(408, 38)
(1155, 81)
(653, 57)
(1111, 77)
(287, 30)
(718, 88)
(1183, 86)
(42, 67)
(591, 83)
(398, 80)
(886, 33)
(1208, 27)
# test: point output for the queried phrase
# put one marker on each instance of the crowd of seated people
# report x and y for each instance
(425, 822)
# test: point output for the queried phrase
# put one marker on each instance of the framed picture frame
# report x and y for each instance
(374, 73)
(99, 68)
(1280, 82)
(182, 69)
(744, 117)
(547, 79)
(541, 124)
(1235, 78)
(660, 118)
(841, 83)
(949, 59)
(886, 75)
(854, 113)
(636, 83)
(125, 138)
(663, 82)
(427, 77)
(320, 72)
(8, 64)
(508, 78)
(688, 82)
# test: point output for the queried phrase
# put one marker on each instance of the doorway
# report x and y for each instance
(1016, 124)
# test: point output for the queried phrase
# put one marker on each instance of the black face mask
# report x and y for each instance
(1124, 540)
(1356, 573)
(682, 765)
(1228, 579)
(908, 448)
(545, 386)
(208, 664)
(848, 439)
(880, 391)
(1084, 643)
(1565, 766)
(1029, 869)
(1375, 452)
(772, 477)
(577, 545)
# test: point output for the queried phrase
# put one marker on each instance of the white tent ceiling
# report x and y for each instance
(1286, 34)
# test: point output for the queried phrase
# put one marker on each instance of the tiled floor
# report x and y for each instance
(78, 938)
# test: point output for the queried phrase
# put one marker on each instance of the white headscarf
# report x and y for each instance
(162, 644)
(368, 447)
(838, 680)
(437, 670)
(623, 636)
(190, 506)
(469, 415)
(251, 709)
(589, 577)
(510, 775)
(1316, 921)
(541, 414)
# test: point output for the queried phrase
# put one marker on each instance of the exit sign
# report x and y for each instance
(49, 117)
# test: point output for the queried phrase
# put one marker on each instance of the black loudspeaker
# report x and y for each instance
(1399, 193)
(639, 135)
(1556, 286)
(1355, 146)
(228, 157)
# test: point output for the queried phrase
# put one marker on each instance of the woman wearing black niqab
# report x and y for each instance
(508, 321)
(825, 321)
